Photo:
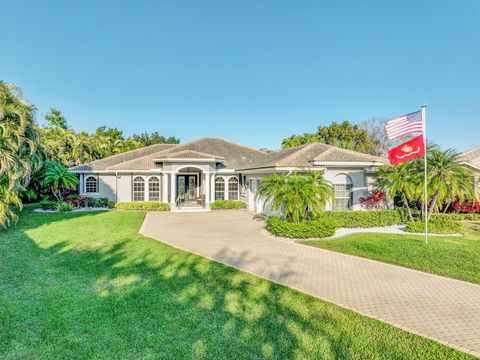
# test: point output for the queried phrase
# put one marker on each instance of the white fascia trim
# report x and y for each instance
(279, 169)
(348, 163)
(113, 172)
(170, 160)
(470, 165)
(227, 171)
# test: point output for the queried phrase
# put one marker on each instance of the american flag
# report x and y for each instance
(404, 125)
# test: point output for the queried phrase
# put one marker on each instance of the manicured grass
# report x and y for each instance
(87, 285)
(456, 257)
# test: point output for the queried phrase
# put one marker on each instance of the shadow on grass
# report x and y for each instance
(80, 287)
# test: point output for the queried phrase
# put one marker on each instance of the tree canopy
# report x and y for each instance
(345, 135)
(18, 145)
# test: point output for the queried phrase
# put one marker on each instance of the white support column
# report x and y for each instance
(173, 184)
(226, 194)
(81, 184)
(165, 188)
(207, 188)
(212, 188)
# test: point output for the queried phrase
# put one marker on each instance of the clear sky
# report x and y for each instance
(253, 72)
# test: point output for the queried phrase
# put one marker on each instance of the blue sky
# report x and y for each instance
(253, 72)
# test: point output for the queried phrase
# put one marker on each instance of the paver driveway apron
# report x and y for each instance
(443, 309)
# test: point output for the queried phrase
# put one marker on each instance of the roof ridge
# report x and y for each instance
(193, 151)
(471, 150)
(230, 142)
(302, 148)
(333, 147)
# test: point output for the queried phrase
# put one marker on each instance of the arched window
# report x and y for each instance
(219, 188)
(138, 189)
(154, 189)
(91, 184)
(233, 188)
(343, 192)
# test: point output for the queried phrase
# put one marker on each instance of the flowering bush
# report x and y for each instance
(466, 206)
(375, 201)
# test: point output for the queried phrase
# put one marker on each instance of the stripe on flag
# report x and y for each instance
(404, 125)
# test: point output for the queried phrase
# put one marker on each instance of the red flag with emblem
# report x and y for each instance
(407, 151)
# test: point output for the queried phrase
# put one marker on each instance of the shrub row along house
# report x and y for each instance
(203, 171)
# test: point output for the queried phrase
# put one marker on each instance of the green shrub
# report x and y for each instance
(302, 230)
(146, 206)
(435, 226)
(228, 204)
(65, 206)
(49, 205)
(456, 216)
(365, 218)
(100, 203)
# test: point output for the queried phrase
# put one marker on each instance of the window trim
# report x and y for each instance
(97, 184)
(147, 193)
(349, 198)
(223, 182)
(145, 184)
(237, 182)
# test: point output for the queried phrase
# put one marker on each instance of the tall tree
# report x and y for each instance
(146, 139)
(399, 180)
(448, 179)
(55, 119)
(18, 144)
(345, 135)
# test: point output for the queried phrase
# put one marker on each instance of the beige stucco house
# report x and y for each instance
(209, 169)
(471, 159)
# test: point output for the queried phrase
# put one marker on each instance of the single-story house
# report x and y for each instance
(471, 159)
(210, 169)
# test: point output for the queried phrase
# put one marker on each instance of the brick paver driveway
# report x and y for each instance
(443, 309)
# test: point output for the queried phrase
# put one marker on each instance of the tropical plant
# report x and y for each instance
(448, 179)
(296, 195)
(59, 178)
(18, 144)
(398, 180)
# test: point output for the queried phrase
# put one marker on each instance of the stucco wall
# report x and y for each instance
(357, 176)
(119, 188)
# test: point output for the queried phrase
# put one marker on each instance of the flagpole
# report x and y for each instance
(425, 201)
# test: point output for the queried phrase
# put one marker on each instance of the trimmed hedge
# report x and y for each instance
(364, 218)
(435, 226)
(456, 216)
(146, 206)
(302, 230)
(228, 204)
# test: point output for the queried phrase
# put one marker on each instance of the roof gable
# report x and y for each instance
(472, 157)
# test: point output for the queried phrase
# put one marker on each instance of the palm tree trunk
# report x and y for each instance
(54, 193)
(447, 207)
(432, 205)
(405, 202)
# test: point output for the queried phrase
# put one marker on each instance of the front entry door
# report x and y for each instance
(187, 187)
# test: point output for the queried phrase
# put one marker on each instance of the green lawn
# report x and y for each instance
(86, 285)
(456, 257)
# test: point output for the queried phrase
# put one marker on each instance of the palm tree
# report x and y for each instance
(58, 177)
(399, 179)
(19, 140)
(296, 195)
(448, 178)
